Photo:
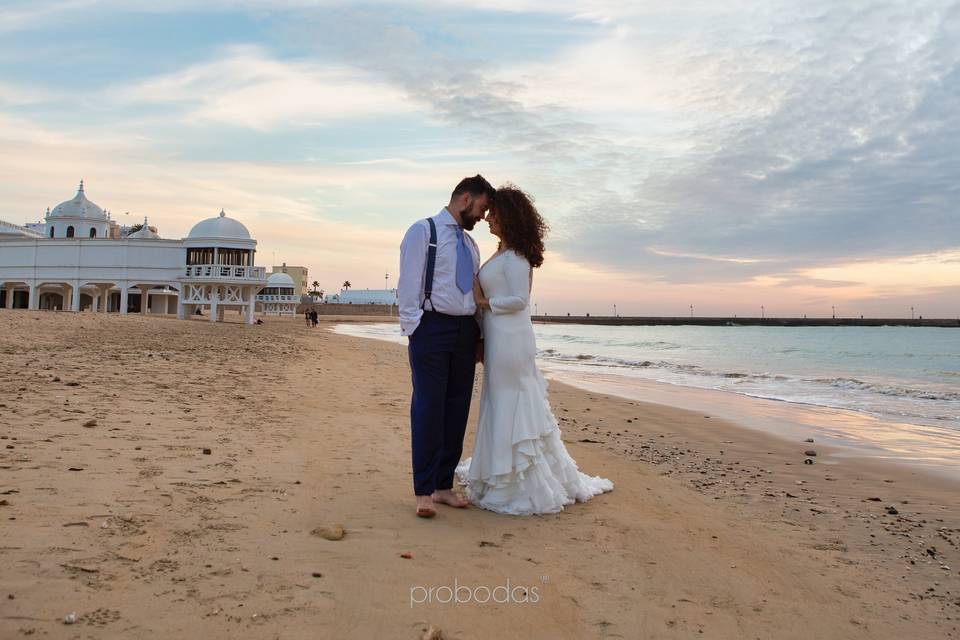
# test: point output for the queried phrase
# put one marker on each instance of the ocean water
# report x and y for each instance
(906, 375)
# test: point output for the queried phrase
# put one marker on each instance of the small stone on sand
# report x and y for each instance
(336, 532)
(433, 633)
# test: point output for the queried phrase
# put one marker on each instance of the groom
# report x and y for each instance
(438, 262)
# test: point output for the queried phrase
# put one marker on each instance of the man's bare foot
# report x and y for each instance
(448, 497)
(425, 507)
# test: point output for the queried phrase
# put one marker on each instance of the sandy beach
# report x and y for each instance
(181, 479)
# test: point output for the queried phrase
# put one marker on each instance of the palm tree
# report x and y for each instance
(315, 284)
(135, 228)
(347, 285)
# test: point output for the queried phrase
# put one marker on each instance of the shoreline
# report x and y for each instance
(201, 501)
(854, 434)
(844, 429)
(388, 311)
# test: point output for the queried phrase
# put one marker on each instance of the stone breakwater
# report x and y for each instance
(752, 322)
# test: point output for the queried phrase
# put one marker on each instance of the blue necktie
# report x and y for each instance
(464, 264)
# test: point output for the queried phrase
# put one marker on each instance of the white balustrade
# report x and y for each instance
(277, 298)
(224, 272)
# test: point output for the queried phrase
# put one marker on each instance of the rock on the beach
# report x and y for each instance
(892, 510)
(336, 532)
(810, 452)
(433, 633)
(92, 422)
(70, 618)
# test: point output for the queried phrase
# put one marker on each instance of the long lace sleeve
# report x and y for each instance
(517, 272)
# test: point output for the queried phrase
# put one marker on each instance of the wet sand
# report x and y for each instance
(162, 478)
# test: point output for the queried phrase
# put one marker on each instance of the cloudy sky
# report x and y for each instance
(725, 155)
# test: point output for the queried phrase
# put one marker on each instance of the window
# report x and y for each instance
(70, 232)
(51, 232)
(93, 233)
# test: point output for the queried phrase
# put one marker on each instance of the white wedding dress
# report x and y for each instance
(520, 465)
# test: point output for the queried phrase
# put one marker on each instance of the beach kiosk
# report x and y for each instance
(220, 271)
(279, 297)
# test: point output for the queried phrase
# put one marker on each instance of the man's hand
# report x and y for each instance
(481, 301)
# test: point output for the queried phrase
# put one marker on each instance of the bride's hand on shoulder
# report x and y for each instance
(478, 296)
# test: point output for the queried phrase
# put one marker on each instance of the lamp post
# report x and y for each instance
(763, 313)
(386, 287)
(614, 310)
(833, 310)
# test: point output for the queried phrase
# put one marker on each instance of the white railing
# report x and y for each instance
(27, 232)
(224, 272)
(275, 298)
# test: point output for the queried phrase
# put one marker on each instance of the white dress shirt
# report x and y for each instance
(446, 297)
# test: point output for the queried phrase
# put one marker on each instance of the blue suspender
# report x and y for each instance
(431, 263)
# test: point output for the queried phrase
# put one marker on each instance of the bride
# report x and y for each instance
(520, 465)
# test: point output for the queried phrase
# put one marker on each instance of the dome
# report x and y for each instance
(79, 207)
(220, 227)
(279, 279)
(145, 232)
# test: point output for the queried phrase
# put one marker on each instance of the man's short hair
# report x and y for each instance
(475, 186)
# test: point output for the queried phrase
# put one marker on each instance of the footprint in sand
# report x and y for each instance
(100, 617)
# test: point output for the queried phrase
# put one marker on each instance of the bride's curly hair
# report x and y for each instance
(522, 228)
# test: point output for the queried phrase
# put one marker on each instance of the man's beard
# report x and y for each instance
(468, 217)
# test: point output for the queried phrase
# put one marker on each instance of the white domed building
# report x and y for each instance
(219, 269)
(77, 218)
(80, 263)
(279, 297)
(144, 232)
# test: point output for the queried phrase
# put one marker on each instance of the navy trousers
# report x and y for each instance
(443, 361)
